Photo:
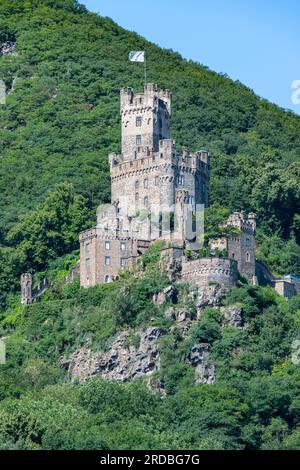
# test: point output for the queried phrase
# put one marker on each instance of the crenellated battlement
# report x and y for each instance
(145, 119)
(145, 157)
(242, 222)
(90, 233)
(151, 98)
(204, 271)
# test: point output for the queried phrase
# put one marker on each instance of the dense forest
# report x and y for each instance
(61, 119)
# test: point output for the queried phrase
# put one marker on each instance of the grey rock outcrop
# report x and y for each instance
(168, 294)
(183, 317)
(233, 316)
(7, 48)
(171, 262)
(210, 296)
(121, 362)
(199, 358)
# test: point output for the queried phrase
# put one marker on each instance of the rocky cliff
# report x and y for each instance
(132, 357)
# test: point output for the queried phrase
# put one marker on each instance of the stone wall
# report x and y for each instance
(205, 271)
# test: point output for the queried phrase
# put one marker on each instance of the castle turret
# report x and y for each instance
(26, 289)
(145, 119)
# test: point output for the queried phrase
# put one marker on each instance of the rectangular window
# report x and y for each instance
(146, 183)
(123, 262)
(107, 245)
(87, 247)
(191, 200)
(138, 140)
(107, 260)
(123, 246)
(138, 121)
(180, 180)
(157, 180)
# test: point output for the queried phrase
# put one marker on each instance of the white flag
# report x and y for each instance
(137, 56)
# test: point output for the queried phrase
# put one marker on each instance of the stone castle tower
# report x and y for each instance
(148, 177)
(145, 119)
(241, 245)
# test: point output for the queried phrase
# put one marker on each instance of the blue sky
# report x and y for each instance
(256, 42)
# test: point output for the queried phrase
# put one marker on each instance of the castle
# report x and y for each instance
(152, 185)
(157, 193)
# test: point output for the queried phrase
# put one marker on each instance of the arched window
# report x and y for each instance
(106, 278)
(146, 183)
(136, 184)
(146, 201)
(248, 257)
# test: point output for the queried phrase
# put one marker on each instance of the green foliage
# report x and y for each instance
(207, 329)
(254, 403)
(282, 257)
(51, 230)
(214, 219)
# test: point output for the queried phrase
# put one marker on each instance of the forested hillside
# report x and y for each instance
(253, 404)
(63, 68)
(62, 119)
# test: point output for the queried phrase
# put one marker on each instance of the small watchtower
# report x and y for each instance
(26, 289)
